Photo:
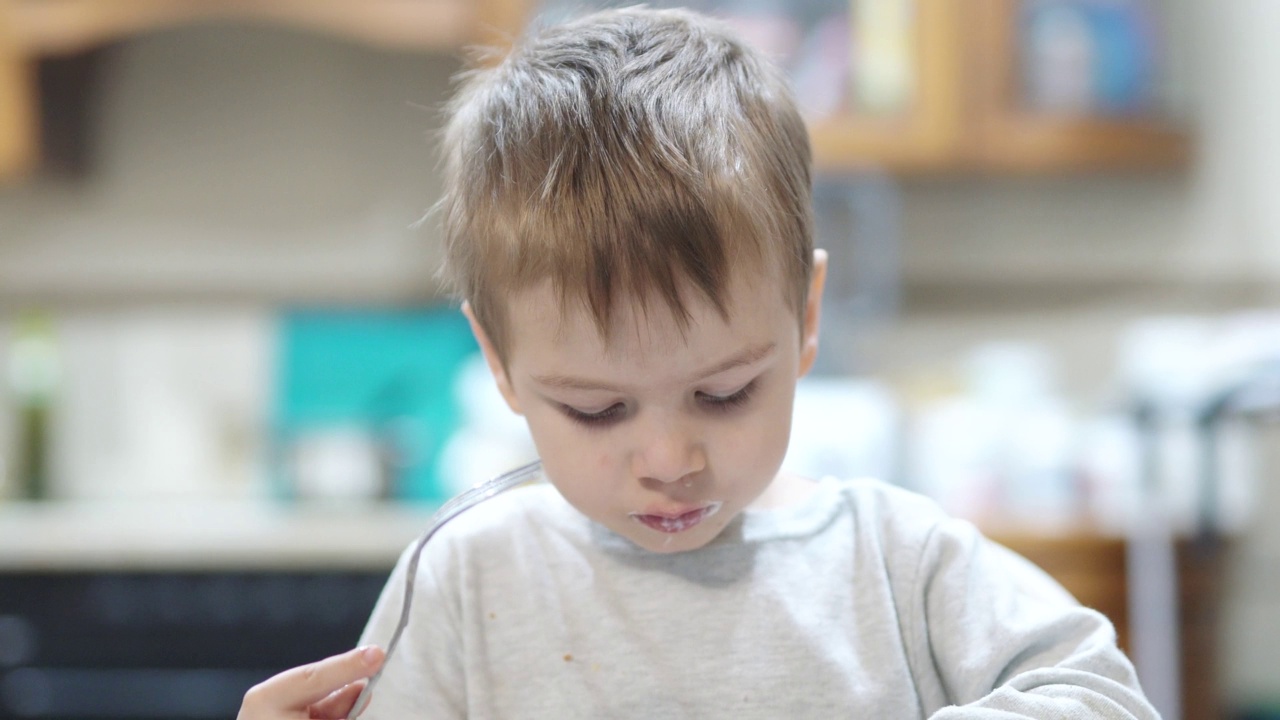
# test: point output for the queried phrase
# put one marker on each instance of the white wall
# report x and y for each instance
(243, 163)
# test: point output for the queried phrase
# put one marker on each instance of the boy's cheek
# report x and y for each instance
(749, 445)
(555, 437)
(771, 435)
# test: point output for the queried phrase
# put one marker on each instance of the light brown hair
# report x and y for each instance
(629, 155)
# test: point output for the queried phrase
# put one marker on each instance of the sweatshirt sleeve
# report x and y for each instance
(424, 677)
(1006, 641)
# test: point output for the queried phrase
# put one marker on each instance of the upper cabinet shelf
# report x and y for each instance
(34, 29)
(939, 87)
(968, 109)
(920, 87)
(43, 27)
(1115, 125)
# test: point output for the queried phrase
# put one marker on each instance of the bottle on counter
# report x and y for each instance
(33, 382)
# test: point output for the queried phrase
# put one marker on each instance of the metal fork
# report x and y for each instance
(447, 512)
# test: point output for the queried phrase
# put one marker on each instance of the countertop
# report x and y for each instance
(189, 535)
(248, 535)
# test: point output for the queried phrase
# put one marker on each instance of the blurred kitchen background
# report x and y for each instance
(233, 390)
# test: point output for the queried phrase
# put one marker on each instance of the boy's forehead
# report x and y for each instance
(542, 311)
(639, 330)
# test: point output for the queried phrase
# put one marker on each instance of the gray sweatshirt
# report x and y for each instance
(863, 601)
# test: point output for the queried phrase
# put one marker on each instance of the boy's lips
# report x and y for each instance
(679, 521)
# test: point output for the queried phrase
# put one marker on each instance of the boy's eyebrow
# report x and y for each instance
(746, 357)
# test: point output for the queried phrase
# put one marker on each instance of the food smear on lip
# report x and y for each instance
(677, 523)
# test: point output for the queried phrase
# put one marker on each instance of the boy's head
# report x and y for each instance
(631, 156)
(627, 216)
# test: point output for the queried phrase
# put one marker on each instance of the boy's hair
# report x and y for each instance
(629, 154)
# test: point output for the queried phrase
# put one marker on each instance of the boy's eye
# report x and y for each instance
(609, 415)
(616, 412)
(725, 403)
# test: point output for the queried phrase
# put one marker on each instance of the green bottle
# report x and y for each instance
(33, 382)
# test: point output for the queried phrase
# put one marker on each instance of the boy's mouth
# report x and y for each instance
(676, 523)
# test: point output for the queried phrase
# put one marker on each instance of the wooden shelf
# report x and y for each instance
(1022, 143)
(854, 144)
(19, 126)
(46, 27)
(34, 29)
(964, 116)
(1009, 138)
(927, 137)
(967, 116)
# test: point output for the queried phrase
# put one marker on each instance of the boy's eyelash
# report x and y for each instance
(614, 413)
(728, 402)
(609, 415)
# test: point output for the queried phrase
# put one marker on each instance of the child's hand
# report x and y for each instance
(325, 689)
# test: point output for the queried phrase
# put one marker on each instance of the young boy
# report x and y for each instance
(628, 219)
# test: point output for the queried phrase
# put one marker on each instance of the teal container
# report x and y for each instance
(389, 374)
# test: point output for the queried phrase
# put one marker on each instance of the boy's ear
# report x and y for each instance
(813, 312)
(492, 360)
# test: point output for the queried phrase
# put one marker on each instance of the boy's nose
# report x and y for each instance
(668, 453)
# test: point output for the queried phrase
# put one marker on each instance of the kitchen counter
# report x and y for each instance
(204, 535)
(106, 535)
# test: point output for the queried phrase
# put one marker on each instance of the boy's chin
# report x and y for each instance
(669, 545)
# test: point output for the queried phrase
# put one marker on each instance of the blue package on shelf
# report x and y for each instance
(1124, 74)
(1089, 56)
(365, 401)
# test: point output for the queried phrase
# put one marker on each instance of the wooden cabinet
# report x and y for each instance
(34, 29)
(965, 114)
(1093, 567)
(19, 128)
(927, 138)
(61, 26)
(1009, 138)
